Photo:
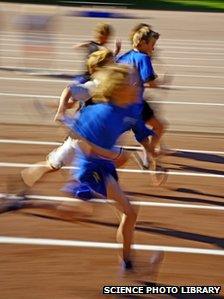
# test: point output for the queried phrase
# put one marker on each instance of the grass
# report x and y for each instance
(184, 5)
(201, 3)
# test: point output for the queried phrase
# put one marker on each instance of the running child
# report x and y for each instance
(72, 94)
(143, 42)
(98, 127)
(103, 32)
(63, 155)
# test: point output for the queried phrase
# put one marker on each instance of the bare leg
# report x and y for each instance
(158, 128)
(33, 174)
(128, 220)
(149, 148)
(54, 161)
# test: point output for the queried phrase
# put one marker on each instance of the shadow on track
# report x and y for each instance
(179, 198)
(147, 227)
(200, 157)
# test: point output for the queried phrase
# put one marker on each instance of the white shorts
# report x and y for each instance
(63, 155)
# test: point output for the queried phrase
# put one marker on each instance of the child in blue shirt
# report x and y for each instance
(98, 127)
(81, 93)
(144, 40)
(96, 130)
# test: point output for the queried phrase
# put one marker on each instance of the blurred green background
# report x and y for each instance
(185, 5)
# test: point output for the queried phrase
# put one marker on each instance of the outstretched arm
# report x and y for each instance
(160, 82)
(71, 94)
(116, 154)
(80, 45)
(63, 104)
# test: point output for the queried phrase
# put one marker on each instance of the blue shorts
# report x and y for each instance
(91, 178)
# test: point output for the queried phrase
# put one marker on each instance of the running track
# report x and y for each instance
(51, 258)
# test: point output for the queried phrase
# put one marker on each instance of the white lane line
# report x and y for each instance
(194, 40)
(171, 87)
(36, 79)
(192, 58)
(74, 53)
(71, 39)
(191, 48)
(134, 202)
(41, 71)
(155, 64)
(36, 142)
(29, 142)
(124, 37)
(138, 202)
(166, 86)
(174, 173)
(74, 70)
(189, 65)
(192, 52)
(71, 43)
(192, 87)
(78, 60)
(40, 52)
(65, 81)
(186, 103)
(24, 95)
(165, 48)
(41, 59)
(103, 245)
(196, 76)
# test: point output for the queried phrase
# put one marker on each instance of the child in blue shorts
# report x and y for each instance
(96, 130)
(98, 127)
(72, 94)
(143, 41)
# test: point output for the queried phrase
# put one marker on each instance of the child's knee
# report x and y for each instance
(158, 126)
(132, 215)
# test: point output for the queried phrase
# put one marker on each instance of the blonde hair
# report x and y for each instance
(98, 59)
(110, 79)
(143, 34)
(137, 28)
(103, 29)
